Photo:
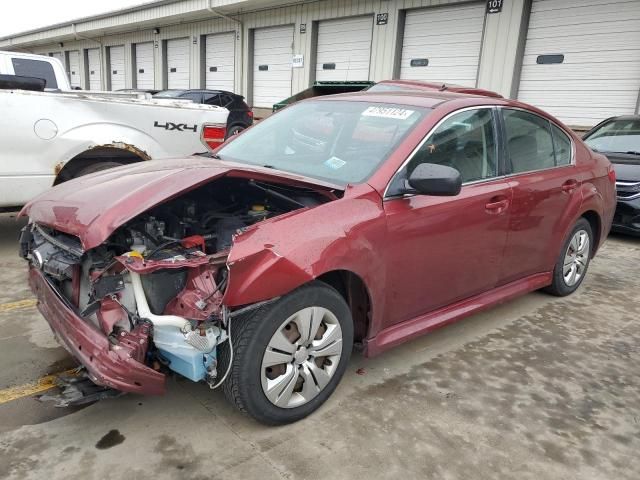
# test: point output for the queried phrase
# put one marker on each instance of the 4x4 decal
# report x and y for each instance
(181, 127)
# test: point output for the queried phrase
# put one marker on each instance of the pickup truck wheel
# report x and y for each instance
(96, 167)
(573, 262)
(290, 355)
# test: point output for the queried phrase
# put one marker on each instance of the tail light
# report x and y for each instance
(213, 135)
(612, 174)
(250, 113)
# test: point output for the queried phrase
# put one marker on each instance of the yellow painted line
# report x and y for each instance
(20, 304)
(42, 385)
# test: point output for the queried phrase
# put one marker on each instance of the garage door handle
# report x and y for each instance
(569, 186)
(497, 205)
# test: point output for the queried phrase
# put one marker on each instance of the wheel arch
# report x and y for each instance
(120, 152)
(355, 292)
(596, 228)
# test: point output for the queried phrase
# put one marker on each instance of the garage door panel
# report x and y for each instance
(595, 43)
(178, 50)
(116, 67)
(345, 45)
(450, 39)
(600, 74)
(273, 48)
(74, 68)
(145, 66)
(95, 69)
(220, 54)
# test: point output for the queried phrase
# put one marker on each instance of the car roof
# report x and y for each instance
(417, 98)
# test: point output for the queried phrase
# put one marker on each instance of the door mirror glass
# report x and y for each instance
(436, 180)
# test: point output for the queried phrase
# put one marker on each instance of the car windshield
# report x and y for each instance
(336, 141)
(620, 136)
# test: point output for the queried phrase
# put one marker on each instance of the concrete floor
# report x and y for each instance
(537, 388)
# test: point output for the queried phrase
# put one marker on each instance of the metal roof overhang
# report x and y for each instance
(145, 16)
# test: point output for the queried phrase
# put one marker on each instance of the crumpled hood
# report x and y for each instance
(92, 207)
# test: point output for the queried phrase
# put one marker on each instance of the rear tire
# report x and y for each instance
(281, 372)
(96, 167)
(573, 261)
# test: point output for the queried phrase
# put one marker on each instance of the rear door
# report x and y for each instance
(442, 250)
(544, 180)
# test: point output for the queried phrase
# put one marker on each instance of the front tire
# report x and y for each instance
(290, 355)
(573, 262)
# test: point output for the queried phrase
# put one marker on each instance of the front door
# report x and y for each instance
(441, 250)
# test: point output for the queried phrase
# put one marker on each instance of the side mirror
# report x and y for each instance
(17, 82)
(436, 180)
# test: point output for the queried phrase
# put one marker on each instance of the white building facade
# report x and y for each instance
(578, 59)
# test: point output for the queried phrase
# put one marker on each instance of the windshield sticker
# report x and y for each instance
(335, 163)
(388, 112)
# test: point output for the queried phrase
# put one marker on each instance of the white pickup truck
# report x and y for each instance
(50, 136)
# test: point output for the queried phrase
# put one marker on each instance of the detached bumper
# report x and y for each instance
(627, 217)
(108, 364)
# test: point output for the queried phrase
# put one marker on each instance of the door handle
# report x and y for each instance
(497, 204)
(569, 186)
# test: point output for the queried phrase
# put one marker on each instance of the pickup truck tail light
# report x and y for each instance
(213, 135)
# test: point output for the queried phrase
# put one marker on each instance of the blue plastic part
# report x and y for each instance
(189, 363)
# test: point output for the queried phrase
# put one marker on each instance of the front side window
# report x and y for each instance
(529, 141)
(464, 141)
(35, 68)
(340, 142)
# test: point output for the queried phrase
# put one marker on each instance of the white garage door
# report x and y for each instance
(59, 56)
(178, 63)
(344, 49)
(144, 69)
(442, 44)
(582, 61)
(74, 68)
(220, 54)
(95, 71)
(272, 55)
(116, 67)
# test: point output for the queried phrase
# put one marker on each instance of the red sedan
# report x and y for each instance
(361, 219)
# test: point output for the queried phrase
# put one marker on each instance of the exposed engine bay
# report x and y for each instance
(155, 288)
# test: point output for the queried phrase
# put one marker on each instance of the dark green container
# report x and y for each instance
(324, 88)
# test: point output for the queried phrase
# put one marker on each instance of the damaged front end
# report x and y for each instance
(151, 297)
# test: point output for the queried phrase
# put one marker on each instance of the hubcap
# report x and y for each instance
(576, 258)
(301, 357)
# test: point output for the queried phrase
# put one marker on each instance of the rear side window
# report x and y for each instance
(212, 99)
(35, 68)
(562, 146)
(529, 141)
